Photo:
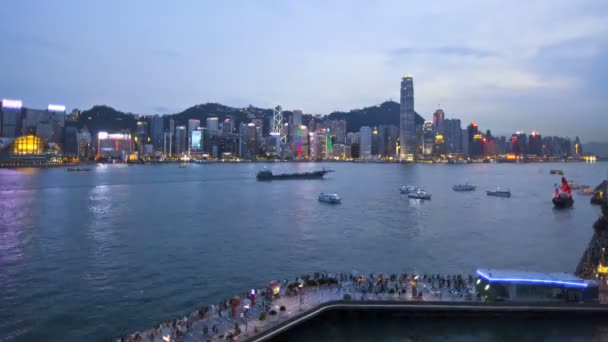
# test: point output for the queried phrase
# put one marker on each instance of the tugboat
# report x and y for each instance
(564, 198)
(266, 175)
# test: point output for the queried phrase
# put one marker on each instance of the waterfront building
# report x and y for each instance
(519, 143)
(213, 125)
(464, 143)
(11, 112)
(227, 126)
(365, 143)
(439, 147)
(303, 147)
(243, 151)
(488, 146)
(389, 135)
(193, 125)
(114, 145)
(428, 138)
(30, 149)
(474, 141)
(70, 144)
(338, 130)
(252, 140)
(197, 142)
(535, 144)
(84, 144)
(157, 130)
(578, 148)
(407, 120)
(376, 139)
(453, 136)
(438, 122)
(180, 140)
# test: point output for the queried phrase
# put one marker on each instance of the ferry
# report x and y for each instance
(407, 189)
(419, 194)
(265, 175)
(499, 192)
(332, 198)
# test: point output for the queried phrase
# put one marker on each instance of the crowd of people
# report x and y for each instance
(215, 322)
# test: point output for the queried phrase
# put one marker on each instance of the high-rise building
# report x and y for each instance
(578, 148)
(438, 122)
(157, 130)
(213, 125)
(464, 143)
(407, 120)
(58, 115)
(428, 138)
(519, 143)
(296, 122)
(252, 140)
(303, 150)
(180, 140)
(70, 144)
(376, 142)
(535, 144)
(10, 118)
(472, 131)
(365, 143)
(243, 151)
(453, 139)
(227, 126)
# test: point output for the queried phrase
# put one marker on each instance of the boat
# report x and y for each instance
(556, 172)
(330, 198)
(265, 175)
(407, 189)
(182, 166)
(78, 169)
(576, 186)
(464, 187)
(586, 191)
(499, 192)
(563, 199)
(419, 194)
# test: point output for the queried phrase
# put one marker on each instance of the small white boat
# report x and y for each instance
(499, 192)
(419, 194)
(407, 189)
(329, 198)
(464, 187)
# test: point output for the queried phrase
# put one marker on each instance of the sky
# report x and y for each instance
(507, 65)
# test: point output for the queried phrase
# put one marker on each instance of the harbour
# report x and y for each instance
(222, 250)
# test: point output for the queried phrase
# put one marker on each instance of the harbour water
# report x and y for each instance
(90, 255)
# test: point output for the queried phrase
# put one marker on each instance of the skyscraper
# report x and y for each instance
(365, 138)
(213, 125)
(157, 130)
(10, 118)
(535, 144)
(453, 136)
(407, 128)
(438, 122)
(180, 140)
(428, 138)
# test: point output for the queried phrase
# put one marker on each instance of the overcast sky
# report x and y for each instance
(508, 65)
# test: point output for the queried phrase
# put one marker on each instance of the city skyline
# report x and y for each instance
(468, 62)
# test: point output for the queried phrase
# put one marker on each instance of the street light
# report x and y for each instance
(246, 307)
(300, 286)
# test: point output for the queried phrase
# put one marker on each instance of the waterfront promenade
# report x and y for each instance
(215, 322)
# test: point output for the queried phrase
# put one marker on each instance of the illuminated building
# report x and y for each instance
(295, 125)
(474, 140)
(428, 138)
(453, 136)
(30, 149)
(58, 115)
(365, 143)
(227, 126)
(488, 146)
(303, 148)
(519, 143)
(376, 138)
(535, 144)
(578, 148)
(252, 140)
(196, 142)
(114, 145)
(439, 148)
(407, 120)
(180, 140)
(213, 125)
(438, 122)
(10, 118)
(464, 143)
(157, 130)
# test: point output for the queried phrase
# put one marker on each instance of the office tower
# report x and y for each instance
(407, 124)
(365, 143)
(428, 138)
(438, 122)
(452, 136)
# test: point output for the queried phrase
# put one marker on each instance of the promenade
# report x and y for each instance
(215, 322)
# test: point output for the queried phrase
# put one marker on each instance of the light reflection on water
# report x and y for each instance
(94, 254)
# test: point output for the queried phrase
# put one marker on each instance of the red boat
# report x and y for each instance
(563, 199)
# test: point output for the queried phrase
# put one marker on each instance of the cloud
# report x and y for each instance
(463, 51)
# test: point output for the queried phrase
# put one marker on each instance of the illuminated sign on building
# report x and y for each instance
(15, 104)
(196, 140)
(477, 136)
(56, 108)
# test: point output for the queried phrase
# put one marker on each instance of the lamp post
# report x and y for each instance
(246, 307)
(300, 286)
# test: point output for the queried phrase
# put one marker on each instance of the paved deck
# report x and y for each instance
(200, 329)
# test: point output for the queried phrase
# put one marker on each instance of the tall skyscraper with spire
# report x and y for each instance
(407, 125)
